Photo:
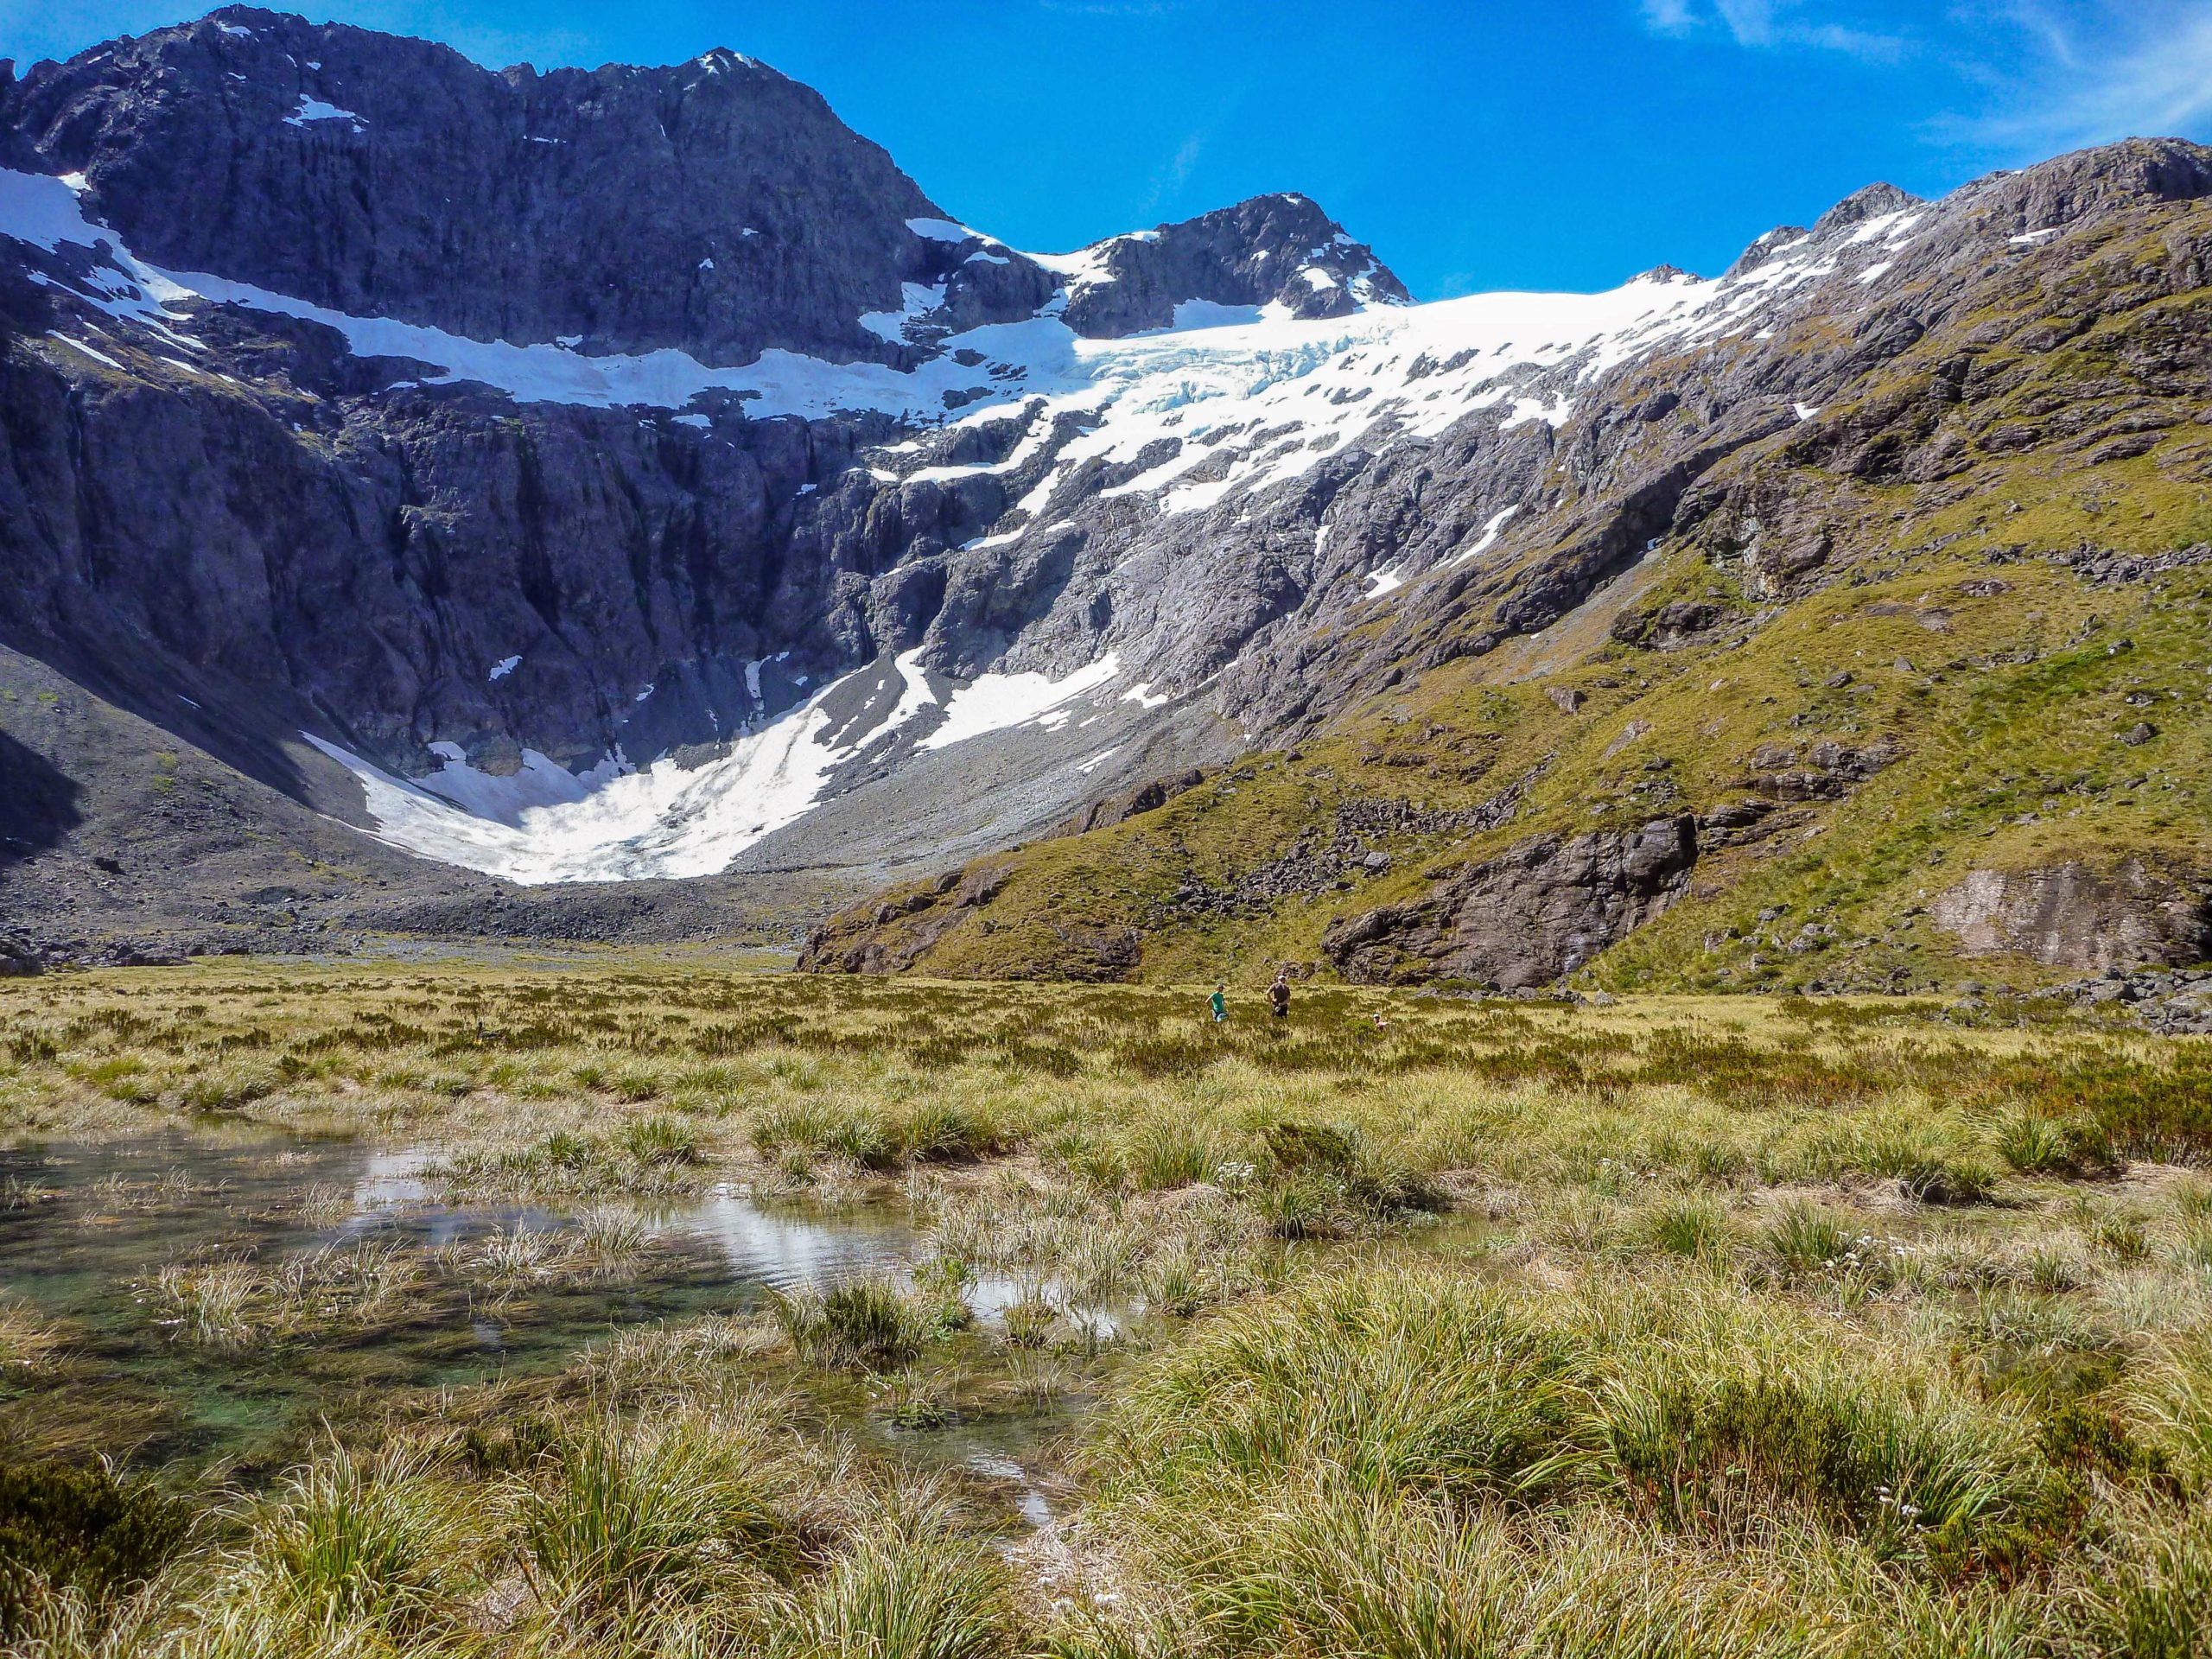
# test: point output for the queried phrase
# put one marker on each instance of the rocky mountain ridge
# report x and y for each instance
(513, 579)
(797, 533)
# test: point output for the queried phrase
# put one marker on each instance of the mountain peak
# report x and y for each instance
(1276, 249)
(713, 206)
(1870, 202)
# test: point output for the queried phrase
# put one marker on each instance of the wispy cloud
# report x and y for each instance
(1669, 16)
(1769, 23)
(1168, 180)
(2093, 71)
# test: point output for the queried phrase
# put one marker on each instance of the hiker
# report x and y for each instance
(1279, 994)
(1219, 1003)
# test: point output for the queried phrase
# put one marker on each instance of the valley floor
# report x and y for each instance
(638, 1306)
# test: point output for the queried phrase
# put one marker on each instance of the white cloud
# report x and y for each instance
(1751, 22)
(1763, 23)
(2087, 73)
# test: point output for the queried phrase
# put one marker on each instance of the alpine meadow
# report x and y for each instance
(733, 923)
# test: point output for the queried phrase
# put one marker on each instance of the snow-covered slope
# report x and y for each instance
(1231, 402)
(863, 543)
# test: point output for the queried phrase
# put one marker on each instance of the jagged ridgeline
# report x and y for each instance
(621, 505)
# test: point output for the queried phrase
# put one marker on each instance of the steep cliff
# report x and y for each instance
(630, 477)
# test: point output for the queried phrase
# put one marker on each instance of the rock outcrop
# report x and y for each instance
(1279, 250)
(2070, 916)
(1538, 911)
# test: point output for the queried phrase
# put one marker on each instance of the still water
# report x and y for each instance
(86, 1232)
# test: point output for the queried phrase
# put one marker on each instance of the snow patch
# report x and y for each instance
(1551, 412)
(1496, 522)
(991, 702)
(80, 346)
(1211, 313)
(504, 667)
(611, 823)
(920, 301)
(314, 109)
(914, 695)
(542, 782)
(1386, 581)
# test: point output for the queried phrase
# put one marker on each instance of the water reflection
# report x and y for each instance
(86, 1232)
(790, 1250)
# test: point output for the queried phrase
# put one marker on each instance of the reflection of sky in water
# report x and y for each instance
(990, 1295)
(1035, 1509)
(87, 1254)
(789, 1249)
(391, 1178)
(270, 1199)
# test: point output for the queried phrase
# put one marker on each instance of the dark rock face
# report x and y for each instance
(19, 958)
(715, 206)
(364, 554)
(377, 575)
(2069, 916)
(330, 542)
(1534, 913)
(1271, 248)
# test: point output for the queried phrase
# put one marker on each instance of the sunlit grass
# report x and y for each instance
(1682, 1327)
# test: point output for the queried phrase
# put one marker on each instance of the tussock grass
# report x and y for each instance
(871, 1324)
(1694, 1327)
(707, 1523)
(1408, 1461)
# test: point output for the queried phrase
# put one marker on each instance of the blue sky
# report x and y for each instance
(1476, 143)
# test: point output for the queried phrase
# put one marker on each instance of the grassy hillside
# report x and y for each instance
(1988, 565)
(2010, 714)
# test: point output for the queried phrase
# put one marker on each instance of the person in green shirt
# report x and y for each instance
(1219, 1003)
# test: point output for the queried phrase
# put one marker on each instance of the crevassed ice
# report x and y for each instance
(1312, 386)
